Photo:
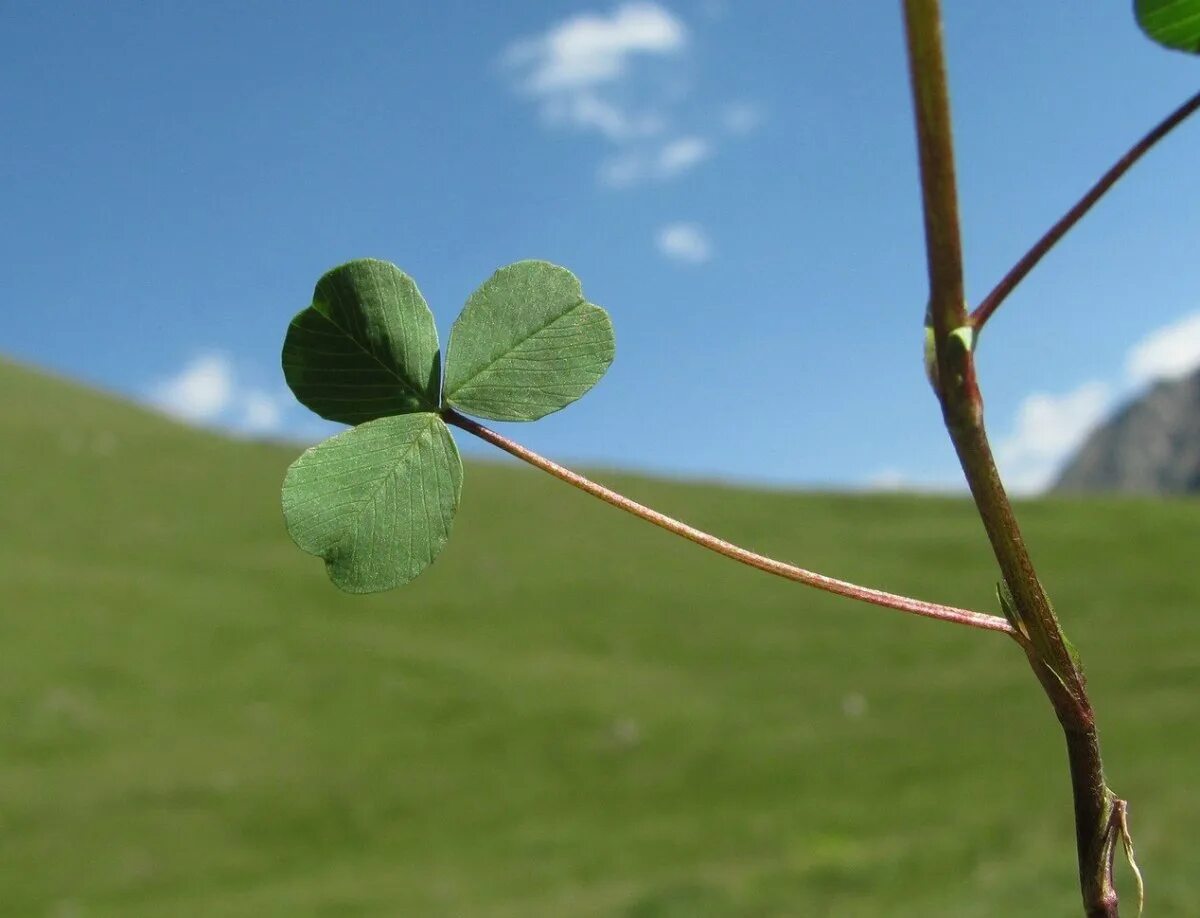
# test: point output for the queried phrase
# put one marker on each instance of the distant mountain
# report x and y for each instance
(1151, 446)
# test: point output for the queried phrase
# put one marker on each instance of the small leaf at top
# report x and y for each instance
(366, 348)
(527, 343)
(1173, 23)
(377, 501)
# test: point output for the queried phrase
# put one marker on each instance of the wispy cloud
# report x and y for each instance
(261, 412)
(684, 242)
(207, 390)
(589, 49)
(579, 71)
(1169, 352)
(588, 111)
(200, 391)
(1050, 427)
(619, 75)
(682, 154)
(893, 479)
(741, 118)
(666, 162)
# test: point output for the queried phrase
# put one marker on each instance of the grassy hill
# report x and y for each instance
(570, 714)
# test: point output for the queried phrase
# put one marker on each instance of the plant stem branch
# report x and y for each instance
(1053, 661)
(728, 549)
(935, 148)
(1029, 260)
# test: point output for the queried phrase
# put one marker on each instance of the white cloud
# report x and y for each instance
(578, 70)
(624, 170)
(895, 480)
(620, 75)
(262, 412)
(588, 111)
(669, 161)
(741, 118)
(207, 390)
(1048, 429)
(591, 49)
(198, 392)
(685, 242)
(1169, 352)
(682, 154)
(889, 479)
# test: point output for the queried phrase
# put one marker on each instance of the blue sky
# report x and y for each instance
(735, 182)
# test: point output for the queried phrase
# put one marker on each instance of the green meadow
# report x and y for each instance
(570, 714)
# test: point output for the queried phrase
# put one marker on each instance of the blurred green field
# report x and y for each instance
(570, 714)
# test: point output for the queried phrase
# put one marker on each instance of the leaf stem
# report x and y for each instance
(1050, 655)
(728, 549)
(990, 303)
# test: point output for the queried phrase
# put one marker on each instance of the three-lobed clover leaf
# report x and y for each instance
(1172, 23)
(377, 502)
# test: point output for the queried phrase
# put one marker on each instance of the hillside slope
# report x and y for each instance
(570, 714)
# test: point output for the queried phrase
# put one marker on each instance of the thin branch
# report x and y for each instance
(1029, 260)
(728, 549)
(935, 148)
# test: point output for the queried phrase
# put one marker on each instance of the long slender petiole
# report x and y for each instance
(728, 549)
(1029, 260)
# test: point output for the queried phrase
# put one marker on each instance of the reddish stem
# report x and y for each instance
(728, 549)
(992, 301)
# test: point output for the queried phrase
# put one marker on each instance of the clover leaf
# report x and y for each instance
(377, 502)
(1172, 23)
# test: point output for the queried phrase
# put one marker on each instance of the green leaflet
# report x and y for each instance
(376, 502)
(1172, 23)
(366, 348)
(526, 344)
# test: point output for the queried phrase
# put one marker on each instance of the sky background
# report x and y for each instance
(735, 182)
